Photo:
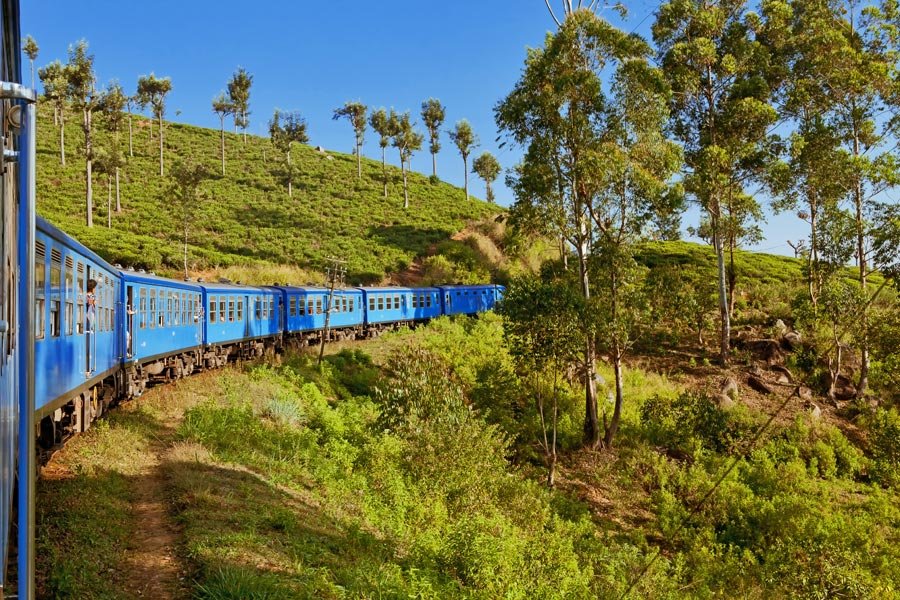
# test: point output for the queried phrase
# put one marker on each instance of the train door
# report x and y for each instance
(90, 324)
(129, 321)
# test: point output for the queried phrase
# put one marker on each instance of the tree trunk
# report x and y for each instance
(222, 138)
(725, 333)
(863, 276)
(185, 224)
(62, 138)
(32, 74)
(466, 175)
(358, 161)
(118, 197)
(108, 202)
(89, 168)
(490, 192)
(732, 278)
(384, 171)
(613, 426)
(434, 165)
(591, 420)
(405, 189)
(130, 144)
(812, 263)
(161, 170)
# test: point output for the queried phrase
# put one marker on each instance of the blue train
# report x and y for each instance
(103, 334)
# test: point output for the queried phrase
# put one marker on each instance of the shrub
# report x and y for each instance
(884, 441)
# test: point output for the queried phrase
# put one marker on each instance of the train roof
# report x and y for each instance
(153, 279)
(211, 286)
(388, 288)
(314, 288)
(473, 286)
(60, 236)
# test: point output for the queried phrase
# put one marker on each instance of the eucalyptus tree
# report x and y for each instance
(285, 129)
(540, 324)
(355, 112)
(239, 97)
(107, 161)
(386, 126)
(487, 167)
(130, 104)
(82, 90)
(56, 90)
(407, 141)
(112, 104)
(465, 140)
(185, 191)
(433, 115)
(720, 113)
(30, 48)
(222, 107)
(558, 112)
(152, 92)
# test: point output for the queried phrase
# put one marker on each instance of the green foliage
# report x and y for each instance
(884, 433)
(251, 221)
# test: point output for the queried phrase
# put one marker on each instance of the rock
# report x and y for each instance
(767, 349)
(329, 157)
(814, 411)
(758, 384)
(784, 374)
(730, 388)
(845, 392)
(780, 327)
(725, 402)
(804, 393)
(792, 340)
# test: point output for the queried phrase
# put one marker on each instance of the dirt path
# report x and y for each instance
(153, 565)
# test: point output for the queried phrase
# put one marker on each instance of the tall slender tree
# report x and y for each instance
(487, 167)
(130, 105)
(82, 91)
(55, 80)
(385, 125)
(222, 107)
(433, 115)
(186, 178)
(239, 97)
(112, 104)
(557, 113)
(721, 112)
(31, 50)
(465, 140)
(152, 91)
(355, 112)
(285, 129)
(407, 141)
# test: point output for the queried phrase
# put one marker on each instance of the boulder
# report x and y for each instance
(758, 384)
(814, 411)
(804, 393)
(725, 402)
(783, 374)
(780, 327)
(792, 340)
(730, 388)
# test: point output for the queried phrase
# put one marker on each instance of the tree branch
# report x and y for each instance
(552, 14)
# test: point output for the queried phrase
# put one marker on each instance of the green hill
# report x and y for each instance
(248, 220)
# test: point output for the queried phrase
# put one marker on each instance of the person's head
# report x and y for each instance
(92, 284)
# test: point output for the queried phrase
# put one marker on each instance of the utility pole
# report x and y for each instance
(334, 275)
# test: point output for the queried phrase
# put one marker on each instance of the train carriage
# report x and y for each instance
(78, 349)
(307, 308)
(469, 299)
(393, 305)
(239, 318)
(164, 328)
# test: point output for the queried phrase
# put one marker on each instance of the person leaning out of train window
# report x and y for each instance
(91, 304)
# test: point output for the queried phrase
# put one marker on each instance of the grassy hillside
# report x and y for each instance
(247, 218)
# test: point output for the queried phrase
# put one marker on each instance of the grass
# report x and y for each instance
(247, 220)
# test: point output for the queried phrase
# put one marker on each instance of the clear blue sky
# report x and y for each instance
(314, 56)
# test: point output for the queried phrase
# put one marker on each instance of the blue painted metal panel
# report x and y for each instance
(467, 299)
(73, 347)
(163, 316)
(234, 313)
(393, 304)
(306, 308)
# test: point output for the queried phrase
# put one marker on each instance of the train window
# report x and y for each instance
(351, 304)
(240, 309)
(212, 309)
(231, 309)
(309, 307)
(319, 305)
(292, 306)
(79, 321)
(69, 276)
(176, 315)
(371, 303)
(345, 303)
(185, 309)
(153, 309)
(142, 309)
(396, 301)
(70, 318)
(271, 307)
(415, 301)
(54, 318)
(40, 272)
(55, 270)
(428, 300)
(222, 313)
(165, 319)
(301, 306)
